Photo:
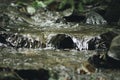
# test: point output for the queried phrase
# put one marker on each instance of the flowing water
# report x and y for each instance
(62, 64)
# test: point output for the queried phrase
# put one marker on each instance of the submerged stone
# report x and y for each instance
(114, 51)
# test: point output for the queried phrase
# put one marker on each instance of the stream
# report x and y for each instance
(43, 55)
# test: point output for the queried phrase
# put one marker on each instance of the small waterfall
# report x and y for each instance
(58, 41)
(19, 41)
(66, 41)
(82, 44)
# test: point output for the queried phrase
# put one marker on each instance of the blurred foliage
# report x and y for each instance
(79, 5)
(65, 2)
(37, 4)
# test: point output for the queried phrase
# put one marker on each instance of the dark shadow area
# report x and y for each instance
(62, 41)
(30, 74)
(2, 39)
(102, 42)
(74, 18)
(112, 14)
(107, 63)
(24, 74)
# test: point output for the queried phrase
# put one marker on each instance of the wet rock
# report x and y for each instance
(101, 42)
(110, 59)
(92, 18)
(95, 19)
(106, 38)
(114, 51)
